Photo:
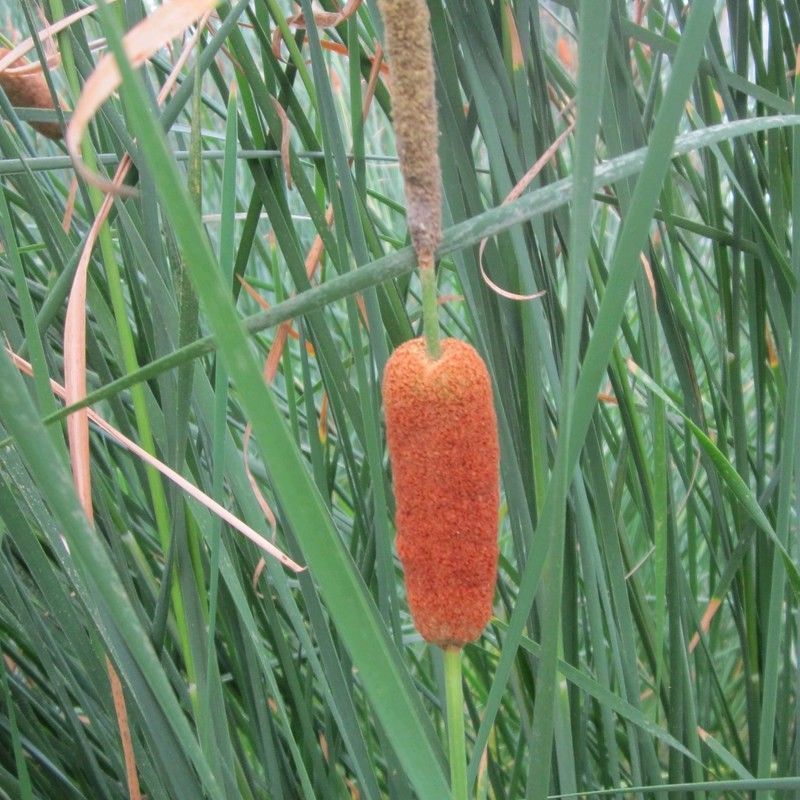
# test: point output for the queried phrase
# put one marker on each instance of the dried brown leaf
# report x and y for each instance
(513, 195)
(286, 130)
(152, 33)
(202, 498)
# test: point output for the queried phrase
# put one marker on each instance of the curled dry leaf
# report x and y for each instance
(26, 45)
(75, 326)
(327, 19)
(14, 64)
(322, 19)
(23, 68)
(513, 195)
(144, 39)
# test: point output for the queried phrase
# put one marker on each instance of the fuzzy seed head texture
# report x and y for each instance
(414, 115)
(30, 91)
(442, 435)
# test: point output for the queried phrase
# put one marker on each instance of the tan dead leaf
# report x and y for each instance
(75, 325)
(327, 19)
(772, 351)
(513, 195)
(322, 19)
(286, 130)
(517, 62)
(69, 208)
(648, 273)
(202, 498)
(152, 33)
(322, 425)
(260, 567)
(376, 70)
(705, 621)
(26, 45)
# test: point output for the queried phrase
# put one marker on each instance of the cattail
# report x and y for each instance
(408, 41)
(29, 90)
(442, 435)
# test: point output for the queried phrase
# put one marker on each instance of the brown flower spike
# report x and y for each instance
(415, 119)
(29, 91)
(442, 435)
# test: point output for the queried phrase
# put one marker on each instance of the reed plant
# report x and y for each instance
(621, 247)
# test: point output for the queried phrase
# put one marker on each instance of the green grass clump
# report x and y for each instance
(644, 628)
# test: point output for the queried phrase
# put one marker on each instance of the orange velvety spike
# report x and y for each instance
(442, 435)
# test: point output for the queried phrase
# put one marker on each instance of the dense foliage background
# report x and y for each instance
(646, 612)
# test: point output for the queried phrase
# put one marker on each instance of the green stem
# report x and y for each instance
(430, 311)
(454, 694)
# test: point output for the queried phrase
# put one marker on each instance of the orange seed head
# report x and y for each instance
(442, 435)
(29, 91)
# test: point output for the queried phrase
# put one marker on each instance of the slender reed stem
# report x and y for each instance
(430, 312)
(454, 694)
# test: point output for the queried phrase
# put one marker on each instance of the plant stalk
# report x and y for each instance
(430, 310)
(454, 695)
